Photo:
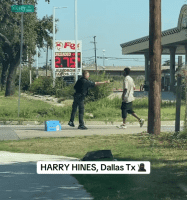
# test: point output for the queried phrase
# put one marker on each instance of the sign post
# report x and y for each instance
(22, 9)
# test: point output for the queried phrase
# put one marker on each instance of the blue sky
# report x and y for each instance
(113, 22)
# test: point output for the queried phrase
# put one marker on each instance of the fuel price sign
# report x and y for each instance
(65, 57)
(67, 60)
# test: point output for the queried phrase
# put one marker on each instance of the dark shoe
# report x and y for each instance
(71, 124)
(82, 127)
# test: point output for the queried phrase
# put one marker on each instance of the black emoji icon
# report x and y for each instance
(141, 168)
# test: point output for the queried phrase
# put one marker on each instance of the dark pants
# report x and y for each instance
(78, 101)
(126, 108)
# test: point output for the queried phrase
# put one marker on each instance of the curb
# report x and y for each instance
(16, 123)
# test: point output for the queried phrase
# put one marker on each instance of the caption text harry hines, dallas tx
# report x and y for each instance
(91, 167)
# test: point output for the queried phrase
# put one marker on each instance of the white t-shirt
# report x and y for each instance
(129, 85)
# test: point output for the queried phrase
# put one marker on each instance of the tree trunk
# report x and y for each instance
(10, 85)
(14, 63)
(4, 74)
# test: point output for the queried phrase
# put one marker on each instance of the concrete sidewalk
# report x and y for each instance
(17, 132)
(12, 158)
(19, 179)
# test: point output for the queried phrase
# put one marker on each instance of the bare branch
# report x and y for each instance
(5, 39)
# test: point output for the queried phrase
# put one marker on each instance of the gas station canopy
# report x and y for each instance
(176, 37)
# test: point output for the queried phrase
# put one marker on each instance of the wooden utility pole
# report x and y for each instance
(178, 99)
(95, 54)
(155, 67)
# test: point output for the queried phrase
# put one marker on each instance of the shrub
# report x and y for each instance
(66, 92)
(43, 86)
(138, 80)
(100, 91)
(60, 86)
(94, 94)
(59, 83)
(25, 78)
(117, 78)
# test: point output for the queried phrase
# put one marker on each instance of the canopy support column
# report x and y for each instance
(172, 67)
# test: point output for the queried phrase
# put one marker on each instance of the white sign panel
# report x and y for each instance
(65, 57)
(67, 46)
(91, 167)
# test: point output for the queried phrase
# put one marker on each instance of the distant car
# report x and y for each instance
(69, 80)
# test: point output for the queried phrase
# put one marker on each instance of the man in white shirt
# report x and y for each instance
(128, 98)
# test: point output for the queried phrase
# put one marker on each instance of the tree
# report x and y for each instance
(36, 32)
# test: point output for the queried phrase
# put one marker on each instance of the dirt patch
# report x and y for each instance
(48, 99)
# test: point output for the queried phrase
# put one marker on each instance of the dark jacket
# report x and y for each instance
(82, 86)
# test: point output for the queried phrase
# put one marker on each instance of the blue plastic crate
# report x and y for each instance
(52, 125)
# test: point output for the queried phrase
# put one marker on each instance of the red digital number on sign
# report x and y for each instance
(67, 61)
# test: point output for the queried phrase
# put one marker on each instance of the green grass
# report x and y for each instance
(166, 152)
(109, 110)
(103, 110)
(32, 110)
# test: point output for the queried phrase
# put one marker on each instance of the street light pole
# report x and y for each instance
(76, 41)
(53, 63)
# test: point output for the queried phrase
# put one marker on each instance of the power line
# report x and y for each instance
(109, 57)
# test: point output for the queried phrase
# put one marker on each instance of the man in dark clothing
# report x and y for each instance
(81, 87)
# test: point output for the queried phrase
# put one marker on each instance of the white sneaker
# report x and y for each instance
(122, 126)
(141, 122)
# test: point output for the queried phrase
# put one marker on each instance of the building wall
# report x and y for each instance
(120, 73)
